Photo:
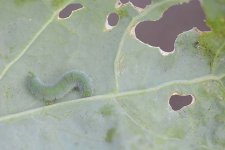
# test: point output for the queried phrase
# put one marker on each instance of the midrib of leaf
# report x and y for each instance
(142, 126)
(132, 22)
(132, 119)
(112, 95)
(35, 37)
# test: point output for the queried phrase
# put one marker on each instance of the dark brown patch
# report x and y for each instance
(113, 19)
(67, 11)
(177, 19)
(178, 101)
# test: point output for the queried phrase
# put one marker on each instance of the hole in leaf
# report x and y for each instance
(112, 20)
(179, 101)
(140, 3)
(124, 1)
(69, 9)
(177, 19)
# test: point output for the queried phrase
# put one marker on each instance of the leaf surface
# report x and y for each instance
(132, 82)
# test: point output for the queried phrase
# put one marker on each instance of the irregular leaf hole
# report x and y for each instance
(69, 9)
(177, 101)
(177, 19)
(111, 21)
(140, 3)
(124, 1)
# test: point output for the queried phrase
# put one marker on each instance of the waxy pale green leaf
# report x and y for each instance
(132, 81)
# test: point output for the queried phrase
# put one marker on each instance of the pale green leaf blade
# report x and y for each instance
(132, 81)
(132, 120)
(80, 42)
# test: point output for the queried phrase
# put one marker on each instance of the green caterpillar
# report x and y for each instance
(50, 92)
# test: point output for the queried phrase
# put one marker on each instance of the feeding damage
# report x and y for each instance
(111, 21)
(177, 101)
(177, 19)
(68, 10)
(139, 5)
